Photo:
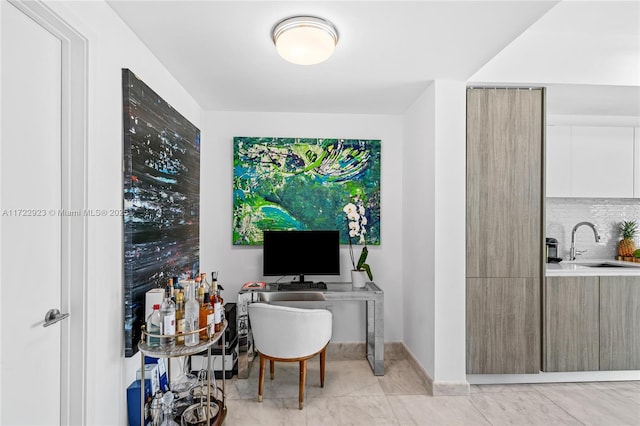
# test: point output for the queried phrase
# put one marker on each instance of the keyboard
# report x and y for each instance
(302, 286)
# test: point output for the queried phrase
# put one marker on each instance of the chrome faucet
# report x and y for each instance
(572, 252)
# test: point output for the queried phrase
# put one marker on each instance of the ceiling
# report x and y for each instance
(388, 53)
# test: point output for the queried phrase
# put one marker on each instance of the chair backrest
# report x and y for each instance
(287, 332)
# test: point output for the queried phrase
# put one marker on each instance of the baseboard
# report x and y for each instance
(398, 350)
(439, 388)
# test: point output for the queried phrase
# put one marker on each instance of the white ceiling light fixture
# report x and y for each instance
(305, 40)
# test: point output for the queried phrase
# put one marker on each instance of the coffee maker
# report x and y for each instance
(552, 251)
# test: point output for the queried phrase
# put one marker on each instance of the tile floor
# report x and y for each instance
(354, 396)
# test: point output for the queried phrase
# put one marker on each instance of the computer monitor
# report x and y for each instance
(301, 253)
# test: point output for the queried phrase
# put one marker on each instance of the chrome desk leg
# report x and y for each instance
(375, 335)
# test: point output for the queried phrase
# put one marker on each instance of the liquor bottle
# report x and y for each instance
(207, 316)
(168, 323)
(179, 318)
(171, 289)
(199, 290)
(223, 312)
(217, 307)
(191, 317)
(153, 326)
(206, 286)
(218, 291)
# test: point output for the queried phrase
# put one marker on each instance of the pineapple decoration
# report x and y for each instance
(627, 246)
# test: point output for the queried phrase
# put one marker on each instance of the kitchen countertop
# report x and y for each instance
(568, 268)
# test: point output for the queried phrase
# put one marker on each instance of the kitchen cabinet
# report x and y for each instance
(558, 161)
(620, 323)
(571, 324)
(504, 230)
(602, 162)
(503, 323)
(591, 162)
(591, 323)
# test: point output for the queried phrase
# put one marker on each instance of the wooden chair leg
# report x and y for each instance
(303, 376)
(272, 368)
(323, 357)
(263, 362)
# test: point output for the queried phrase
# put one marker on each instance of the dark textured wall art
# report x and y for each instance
(306, 184)
(161, 199)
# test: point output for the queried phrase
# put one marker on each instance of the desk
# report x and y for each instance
(335, 292)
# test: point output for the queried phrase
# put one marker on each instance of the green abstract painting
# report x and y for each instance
(305, 184)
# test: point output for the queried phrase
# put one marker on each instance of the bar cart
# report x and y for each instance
(184, 351)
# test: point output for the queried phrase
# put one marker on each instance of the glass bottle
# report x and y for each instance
(216, 301)
(179, 318)
(218, 292)
(191, 317)
(168, 323)
(153, 326)
(206, 286)
(199, 290)
(207, 316)
(171, 289)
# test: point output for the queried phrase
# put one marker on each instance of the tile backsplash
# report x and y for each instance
(605, 213)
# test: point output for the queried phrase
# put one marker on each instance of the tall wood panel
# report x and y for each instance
(571, 324)
(504, 230)
(504, 182)
(619, 323)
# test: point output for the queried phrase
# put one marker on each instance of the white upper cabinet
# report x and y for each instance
(602, 162)
(591, 162)
(558, 159)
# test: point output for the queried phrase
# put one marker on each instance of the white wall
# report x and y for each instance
(434, 234)
(112, 46)
(450, 225)
(419, 230)
(237, 264)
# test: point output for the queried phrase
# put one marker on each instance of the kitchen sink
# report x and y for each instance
(607, 265)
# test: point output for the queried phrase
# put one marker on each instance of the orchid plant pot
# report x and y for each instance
(359, 278)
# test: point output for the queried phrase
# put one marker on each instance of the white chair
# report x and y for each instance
(283, 333)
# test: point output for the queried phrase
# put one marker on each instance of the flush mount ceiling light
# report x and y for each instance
(305, 40)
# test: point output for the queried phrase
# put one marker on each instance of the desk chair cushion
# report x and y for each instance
(287, 332)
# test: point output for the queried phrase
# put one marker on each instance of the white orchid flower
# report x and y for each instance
(349, 208)
(353, 216)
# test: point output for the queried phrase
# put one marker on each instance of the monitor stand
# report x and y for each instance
(301, 280)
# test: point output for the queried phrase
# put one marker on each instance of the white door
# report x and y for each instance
(30, 202)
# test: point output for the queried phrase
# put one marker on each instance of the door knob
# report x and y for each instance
(53, 316)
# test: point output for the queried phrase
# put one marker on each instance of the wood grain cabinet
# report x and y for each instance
(571, 324)
(503, 321)
(504, 225)
(619, 323)
(591, 323)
